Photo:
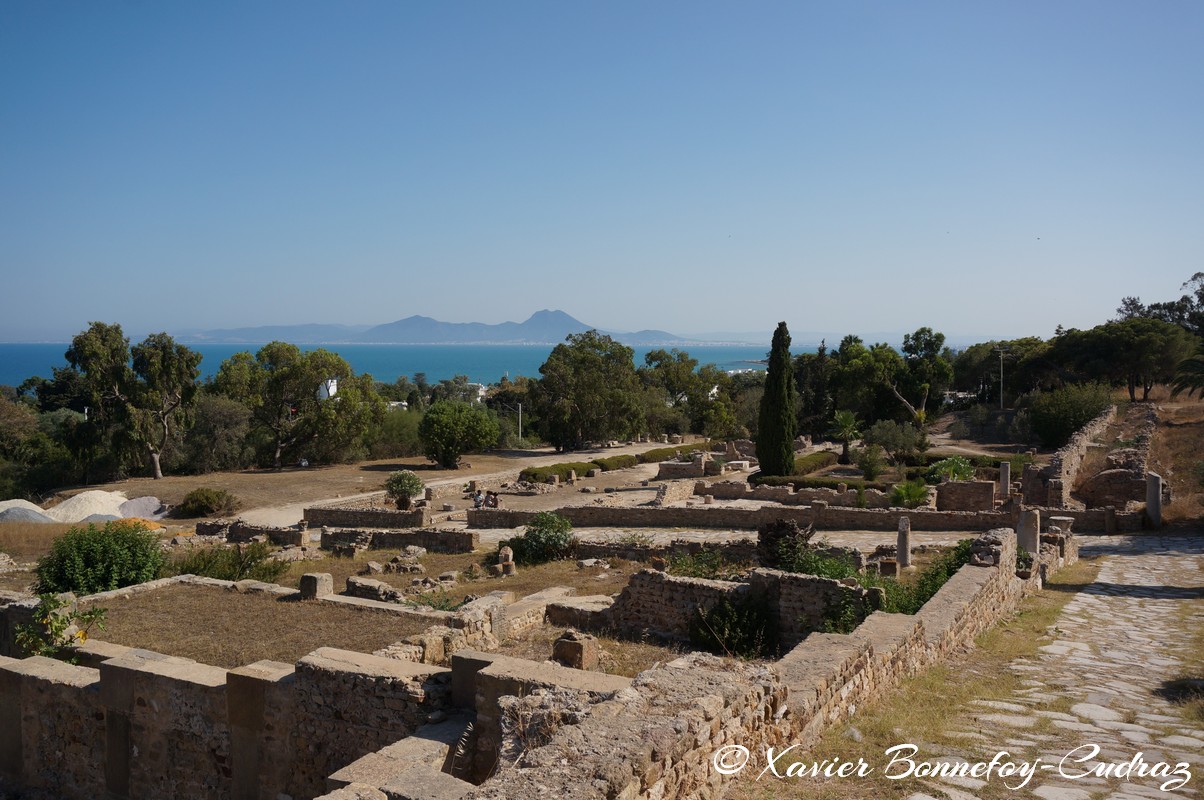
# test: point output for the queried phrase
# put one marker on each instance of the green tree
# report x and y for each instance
(1058, 414)
(589, 390)
(1189, 376)
(812, 374)
(166, 373)
(100, 359)
(775, 423)
(217, 439)
(451, 428)
(845, 428)
(280, 384)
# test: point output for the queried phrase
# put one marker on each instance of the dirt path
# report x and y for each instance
(490, 467)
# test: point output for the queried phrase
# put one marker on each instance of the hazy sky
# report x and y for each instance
(986, 168)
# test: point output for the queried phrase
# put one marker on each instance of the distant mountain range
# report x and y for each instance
(543, 327)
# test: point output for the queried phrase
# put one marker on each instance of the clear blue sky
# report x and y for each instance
(990, 169)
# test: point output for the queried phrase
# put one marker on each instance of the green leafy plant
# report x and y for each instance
(59, 626)
(706, 563)
(90, 560)
(1057, 415)
(1024, 560)
(403, 486)
(562, 470)
(871, 460)
(911, 494)
(242, 562)
(954, 468)
(548, 537)
(741, 628)
(206, 502)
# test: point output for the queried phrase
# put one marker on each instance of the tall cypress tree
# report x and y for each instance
(775, 423)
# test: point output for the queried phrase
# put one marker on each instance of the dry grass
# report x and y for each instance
(619, 656)
(912, 714)
(29, 541)
(1176, 455)
(591, 580)
(228, 629)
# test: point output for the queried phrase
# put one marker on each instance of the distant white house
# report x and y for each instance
(328, 389)
(395, 404)
(480, 389)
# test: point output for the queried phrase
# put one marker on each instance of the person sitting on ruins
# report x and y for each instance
(479, 499)
(491, 500)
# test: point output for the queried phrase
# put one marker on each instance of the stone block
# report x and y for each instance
(315, 585)
(577, 650)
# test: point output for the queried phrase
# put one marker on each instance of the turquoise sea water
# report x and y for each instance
(385, 362)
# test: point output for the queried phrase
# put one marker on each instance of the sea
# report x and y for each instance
(486, 364)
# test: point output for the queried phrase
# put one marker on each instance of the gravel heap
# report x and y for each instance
(86, 504)
(23, 514)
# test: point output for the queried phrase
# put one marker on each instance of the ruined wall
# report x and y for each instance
(435, 540)
(789, 496)
(351, 704)
(824, 518)
(674, 492)
(656, 740)
(1050, 486)
(965, 496)
(242, 532)
(335, 517)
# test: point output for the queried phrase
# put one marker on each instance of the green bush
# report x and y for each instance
(659, 454)
(710, 564)
(548, 537)
(814, 462)
(741, 628)
(90, 560)
(871, 460)
(205, 502)
(910, 494)
(954, 468)
(403, 486)
(248, 562)
(542, 474)
(615, 462)
(1057, 415)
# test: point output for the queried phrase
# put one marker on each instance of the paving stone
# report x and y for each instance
(1061, 793)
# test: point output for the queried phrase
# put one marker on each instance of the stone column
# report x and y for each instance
(1028, 532)
(903, 543)
(1153, 499)
(1005, 479)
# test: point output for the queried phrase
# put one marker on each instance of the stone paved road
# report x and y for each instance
(1115, 644)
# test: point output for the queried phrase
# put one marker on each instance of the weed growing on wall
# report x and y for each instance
(243, 562)
(740, 628)
(59, 626)
(548, 537)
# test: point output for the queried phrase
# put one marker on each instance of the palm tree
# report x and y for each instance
(845, 429)
(1189, 375)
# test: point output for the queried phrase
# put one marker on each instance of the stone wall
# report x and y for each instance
(1050, 486)
(789, 496)
(674, 492)
(335, 517)
(965, 496)
(664, 605)
(242, 532)
(823, 516)
(433, 539)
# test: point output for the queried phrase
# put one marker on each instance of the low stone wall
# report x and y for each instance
(433, 539)
(664, 605)
(674, 492)
(823, 517)
(965, 496)
(740, 551)
(789, 496)
(1050, 486)
(241, 532)
(335, 517)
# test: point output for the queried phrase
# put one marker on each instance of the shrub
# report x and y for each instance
(206, 502)
(659, 454)
(59, 624)
(615, 462)
(710, 564)
(742, 628)
(814, 462)
(90, 560)
(1057, 415)
(871, 461)
(403, 486)
(805, 560)
(954, 468)
(548, 537)
(230, 563)
(900, 440)
(542, 474)
(822, 482)
(910, 494)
